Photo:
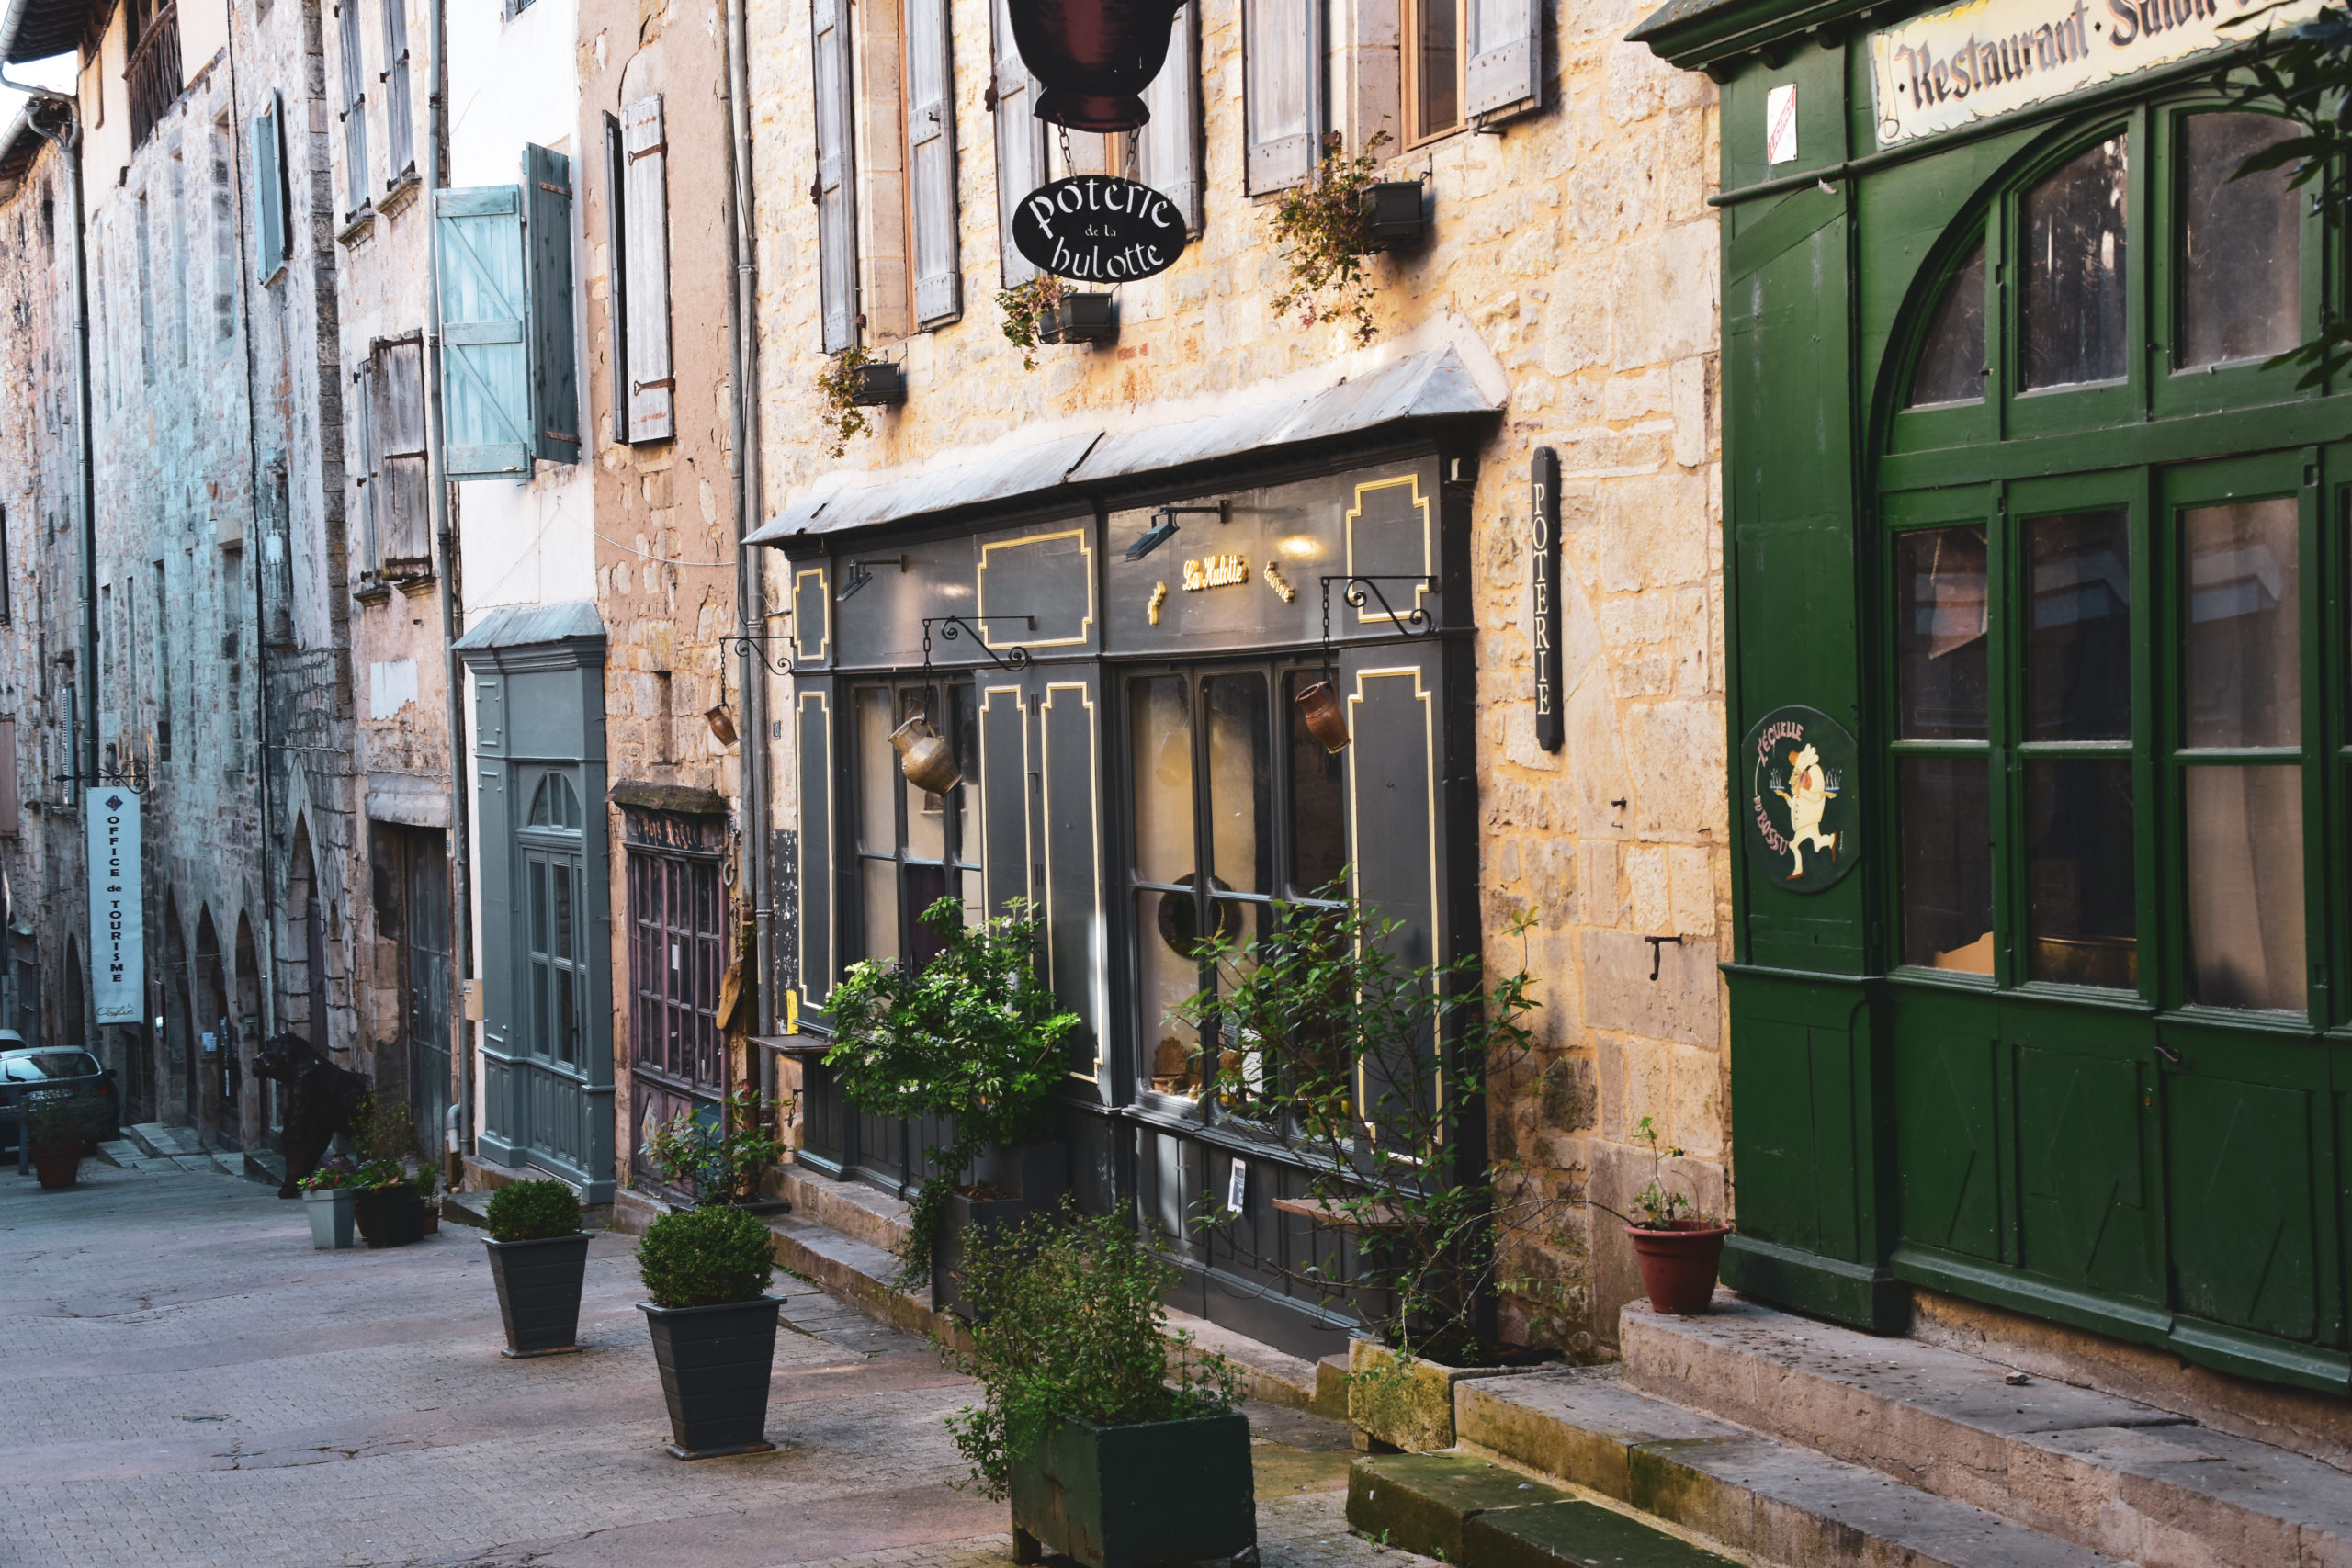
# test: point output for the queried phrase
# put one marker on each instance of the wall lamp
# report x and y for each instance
(1163, 526)
(859, 577)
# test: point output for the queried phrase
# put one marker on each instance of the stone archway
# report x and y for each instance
(303, 968)
(258, 1111)
(221, 1071)
(179, 1098)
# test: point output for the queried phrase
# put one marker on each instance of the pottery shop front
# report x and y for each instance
(2037, 630)
(1111, 635)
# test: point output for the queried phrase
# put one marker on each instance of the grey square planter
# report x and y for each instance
(539, 1291)
(715, 1364)
(1036, 1175)
(1141, 1497)
(330, 1211)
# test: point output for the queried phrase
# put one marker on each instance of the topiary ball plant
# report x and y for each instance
(532, 1211)
(706, 1257)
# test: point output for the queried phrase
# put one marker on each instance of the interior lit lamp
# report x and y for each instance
(1151, 539)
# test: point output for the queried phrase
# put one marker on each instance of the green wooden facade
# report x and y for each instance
(2086, 1103)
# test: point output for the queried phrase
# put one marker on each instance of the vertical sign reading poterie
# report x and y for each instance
(118, 949)
(1544, 585)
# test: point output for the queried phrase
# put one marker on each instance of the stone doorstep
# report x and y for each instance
(159, 1142)
(1777, 1503)
(1462, 1509)
(2103, 1472)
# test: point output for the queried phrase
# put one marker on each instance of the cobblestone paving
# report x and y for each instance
(186, 1382)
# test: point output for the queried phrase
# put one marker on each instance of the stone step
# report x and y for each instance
(159, 1142)
(2104, 1471)
(1466, 1511)
(1778, 1503)
(126, 1156)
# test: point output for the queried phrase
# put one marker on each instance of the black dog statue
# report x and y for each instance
(322, 1101)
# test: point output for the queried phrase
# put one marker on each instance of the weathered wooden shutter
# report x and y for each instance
(363, 467)
(616, 273)
(1506, 51)
(485, 378)
(270, 184)
(1282, 95)
(404, 532)
(1020, 139)
(1168, 149)
(400, 126)
(931, 151)
(835, 192)
(355, 109)
(547, 234)
(645, 218)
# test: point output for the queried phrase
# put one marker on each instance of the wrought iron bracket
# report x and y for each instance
(746, 645)
(951, 627)
(1362, 588)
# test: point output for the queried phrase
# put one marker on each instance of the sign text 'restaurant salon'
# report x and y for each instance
(1099, 229)
(1973, 61)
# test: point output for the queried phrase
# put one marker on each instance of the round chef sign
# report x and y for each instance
(1802, 819)
(1099, 229)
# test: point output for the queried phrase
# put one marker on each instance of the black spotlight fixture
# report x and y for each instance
(1151, 539)
(859, 577)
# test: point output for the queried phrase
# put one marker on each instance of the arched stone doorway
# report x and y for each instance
(182, 1096)
(305, 970)
(220, 1070)
(263, 1120)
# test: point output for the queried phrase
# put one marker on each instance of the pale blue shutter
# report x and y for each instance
(547, 231)
(835, 190)
(931, 143)
(1504, 75)
(1168, 148)
(1020, 140)
(269, 184)
(485, 373)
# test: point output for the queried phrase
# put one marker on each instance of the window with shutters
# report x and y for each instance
(931, 163)
(355, 111)
(270, 213)
(642, 379)
(400, 129)
(835, 189)
(396, 424)
(1283, 91)
(508, 371)
(1168, 149)
(1467, 61)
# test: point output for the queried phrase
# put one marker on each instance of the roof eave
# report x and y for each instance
(1709, 35)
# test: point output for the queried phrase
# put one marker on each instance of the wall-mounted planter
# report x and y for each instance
(880, 384)
(1079, 317)
(1393, 217)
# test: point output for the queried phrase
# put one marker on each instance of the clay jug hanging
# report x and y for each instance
(1320, 705)
(925, 757)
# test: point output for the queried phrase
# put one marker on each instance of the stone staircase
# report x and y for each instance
(1803, 1444)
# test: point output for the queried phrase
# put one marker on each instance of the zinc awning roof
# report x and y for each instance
(1433, 385)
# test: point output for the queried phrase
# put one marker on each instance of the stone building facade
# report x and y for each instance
(1569, 268)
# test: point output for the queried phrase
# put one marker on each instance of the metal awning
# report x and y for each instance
(521, 626)
(1434, 385)
(35, 30)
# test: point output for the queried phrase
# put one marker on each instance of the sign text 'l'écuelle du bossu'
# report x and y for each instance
(1973, 62)
(118, 943)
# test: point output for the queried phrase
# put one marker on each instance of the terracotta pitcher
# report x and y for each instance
(1320, 705)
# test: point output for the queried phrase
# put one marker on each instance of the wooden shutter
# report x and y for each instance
(1282, 95)
(835, 191)
(404, 530)
(400, 127)
(616, 274)
(363, 470)
(11, 799)
(546, 232)
(1020, 139)
(485, 387)
(1506, 54)
(930, 159)
(355, 109)
(645, 210)
(270, 184)
(814, 728)
(1168, 149)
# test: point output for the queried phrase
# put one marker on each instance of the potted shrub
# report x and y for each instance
(713, 1324)
(327, 1195)
(538, 1257)
(1113, 1452)
(974, 1036)
(53, 1135)
(1678, 1247)
(385, 1205)
(427, 1183)
(719, 1154)
(1315, 1006)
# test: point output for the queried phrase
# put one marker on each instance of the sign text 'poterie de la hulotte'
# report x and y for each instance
(1099, 229)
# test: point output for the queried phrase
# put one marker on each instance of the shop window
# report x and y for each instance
(1234, 806)
(1941, 669)
(2241, 243)
(2072, 226)
(913, 848)
(1951, 367)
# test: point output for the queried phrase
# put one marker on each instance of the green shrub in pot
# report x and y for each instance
(706, 1257)
(532, 1211)
(713, 1326)
(539, 1259)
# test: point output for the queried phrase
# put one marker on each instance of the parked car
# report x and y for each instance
(64, 1077)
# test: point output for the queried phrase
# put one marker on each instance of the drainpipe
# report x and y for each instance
(751, 593)
(445, 551)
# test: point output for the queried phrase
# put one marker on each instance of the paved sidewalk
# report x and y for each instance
(186, 1381)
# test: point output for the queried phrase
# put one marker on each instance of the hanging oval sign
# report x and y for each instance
(1099, 229)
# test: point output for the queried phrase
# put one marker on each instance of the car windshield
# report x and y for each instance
(36, 1065)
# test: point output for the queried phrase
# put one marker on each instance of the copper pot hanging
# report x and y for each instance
(1326, 720)
(925, 757)
(1094, 57)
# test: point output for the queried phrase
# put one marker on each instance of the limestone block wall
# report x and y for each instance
(1573, 260)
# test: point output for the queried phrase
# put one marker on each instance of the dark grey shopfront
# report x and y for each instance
(1145, 772)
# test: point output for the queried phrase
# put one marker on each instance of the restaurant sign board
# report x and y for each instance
(1099, 229)
(1987, 58)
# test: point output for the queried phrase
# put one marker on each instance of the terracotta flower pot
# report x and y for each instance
(1679, 1264)
(1094, 57)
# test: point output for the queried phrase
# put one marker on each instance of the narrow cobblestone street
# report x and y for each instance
(187, 1381)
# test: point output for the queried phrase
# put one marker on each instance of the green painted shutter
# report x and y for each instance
(547, 231)
(484, 373)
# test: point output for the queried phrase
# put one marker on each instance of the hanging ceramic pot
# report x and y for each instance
(1094, 57)
(1320, 705)
(925, 757)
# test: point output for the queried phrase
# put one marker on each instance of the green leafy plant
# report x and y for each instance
(721, 1154)
(1069, 1323)
(837, 384)
(1660, 1208)
(1024, 306)
(706, 1257)
(532, 1211)
(382, 1173)
(2305, 72)
(1366, 1064)
(51, 1123)
(974, 1034)
(1326, 244)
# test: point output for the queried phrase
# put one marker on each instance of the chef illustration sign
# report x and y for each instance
(1801, 818)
